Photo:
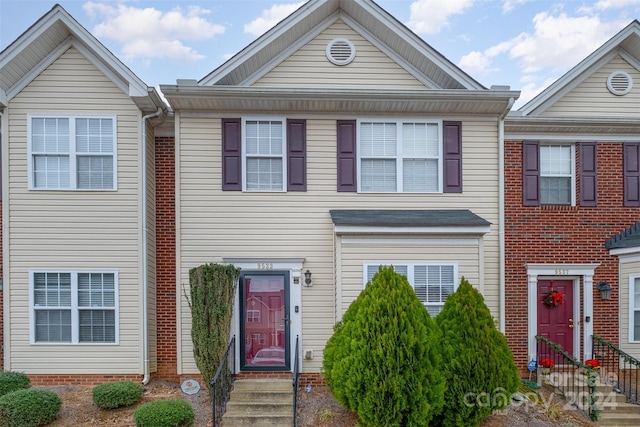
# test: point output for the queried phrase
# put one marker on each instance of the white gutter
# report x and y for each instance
(502, 284)
(145, 255)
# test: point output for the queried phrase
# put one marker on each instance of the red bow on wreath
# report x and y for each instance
(553, 298)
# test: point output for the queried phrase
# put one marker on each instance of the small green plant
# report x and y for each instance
(29, 407)
(116, 394)
(165, 413)
(12, 381)
(325, 414)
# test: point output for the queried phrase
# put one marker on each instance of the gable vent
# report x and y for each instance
(619, 83)
(341, 51)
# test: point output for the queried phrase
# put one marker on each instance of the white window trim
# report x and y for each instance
(573, 171)
(632, 308)
(73, 185)
(75, 339)
(410, 272)
(284, 152)
(399, 153)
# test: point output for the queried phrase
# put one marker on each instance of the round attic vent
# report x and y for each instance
(341, 51)
(619, 83)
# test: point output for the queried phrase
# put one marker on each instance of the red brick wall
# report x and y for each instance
(166, 298)
(563, 234)
(82, 379)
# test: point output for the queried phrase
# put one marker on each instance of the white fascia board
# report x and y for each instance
(359, 229)
(260, 43)
(624, 251)
(3, 99)
(418, 75)
(420, 45)
(265, 69)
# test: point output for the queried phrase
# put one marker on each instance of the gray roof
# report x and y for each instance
(407, 218)
(628, 238)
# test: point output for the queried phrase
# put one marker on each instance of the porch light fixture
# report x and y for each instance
(307, 279)
(605, 290)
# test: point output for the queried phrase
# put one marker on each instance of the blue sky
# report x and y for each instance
(526, 44)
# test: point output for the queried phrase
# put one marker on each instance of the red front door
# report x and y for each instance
(556, 323)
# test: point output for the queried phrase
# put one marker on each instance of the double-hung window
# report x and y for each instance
(433, 283)
(74, 307)
(264, 155)
(634, 309)
(72, 153)
(557, 175)
(400, 156)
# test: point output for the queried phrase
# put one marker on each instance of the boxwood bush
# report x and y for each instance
(12, 381)
(165, 413)
(478, 365)
(116, 394)
(382, 362)
(29, 408)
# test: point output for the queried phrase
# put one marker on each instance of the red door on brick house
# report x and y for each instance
(556, 323)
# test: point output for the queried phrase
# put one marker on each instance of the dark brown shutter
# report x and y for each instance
(452, 157)
(531, 173)
(231, 154)
(296, 155)
(346, 130)
(588, 175)
(631, 174)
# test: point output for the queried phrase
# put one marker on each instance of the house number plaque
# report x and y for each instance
(265, 266)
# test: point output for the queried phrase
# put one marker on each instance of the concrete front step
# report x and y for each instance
(260, 402)
(614, 418)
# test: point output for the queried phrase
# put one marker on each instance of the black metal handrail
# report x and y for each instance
(575, 380)
(296, 376)
(621, 368)
(222, 382)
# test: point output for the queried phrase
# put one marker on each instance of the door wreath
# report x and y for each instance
(553, 298)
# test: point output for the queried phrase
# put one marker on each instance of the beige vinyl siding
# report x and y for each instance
(309, 66)
(74, 229)
(357, 251)
(150, 152)
(629, 269)
(214, 224)
(592, 97)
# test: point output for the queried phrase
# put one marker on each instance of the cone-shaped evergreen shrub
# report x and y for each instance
(478, 365)
(382, 361)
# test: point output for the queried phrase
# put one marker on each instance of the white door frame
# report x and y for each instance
(563, 272)
(294, 267)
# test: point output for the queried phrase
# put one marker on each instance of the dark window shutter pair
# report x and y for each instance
(531, 174)
(631, 174)
(232, 155)
(347, 159)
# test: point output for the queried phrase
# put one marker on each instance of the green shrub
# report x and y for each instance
(12, 381)
(29, 408)
(165, 413)
(382, 361)
(480, 373)
(116, 394)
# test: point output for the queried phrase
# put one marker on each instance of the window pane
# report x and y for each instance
(96, 290)
(555, 160)
(94, 135)
(50, 135)
(97, 326)
(95, 172)
(52, 289)
(378, 139)
(555, 191)
(264, 138)
(50, 171)
(264, 174)
(53, 326)
(378, 175)
(636, 326)
(420, 175)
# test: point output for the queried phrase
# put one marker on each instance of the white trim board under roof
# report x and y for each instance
(36, 48)
(316, 14)
(626, 43)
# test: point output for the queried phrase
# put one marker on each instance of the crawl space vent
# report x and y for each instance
(341, 51)
(619, 83)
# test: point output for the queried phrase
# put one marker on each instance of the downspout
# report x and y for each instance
(501, 180)
(145, 255)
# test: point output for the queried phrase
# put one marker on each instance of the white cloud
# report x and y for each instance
(150, 33)
(431, 16)
(615, 4)
(509, 5)
(270, 17)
